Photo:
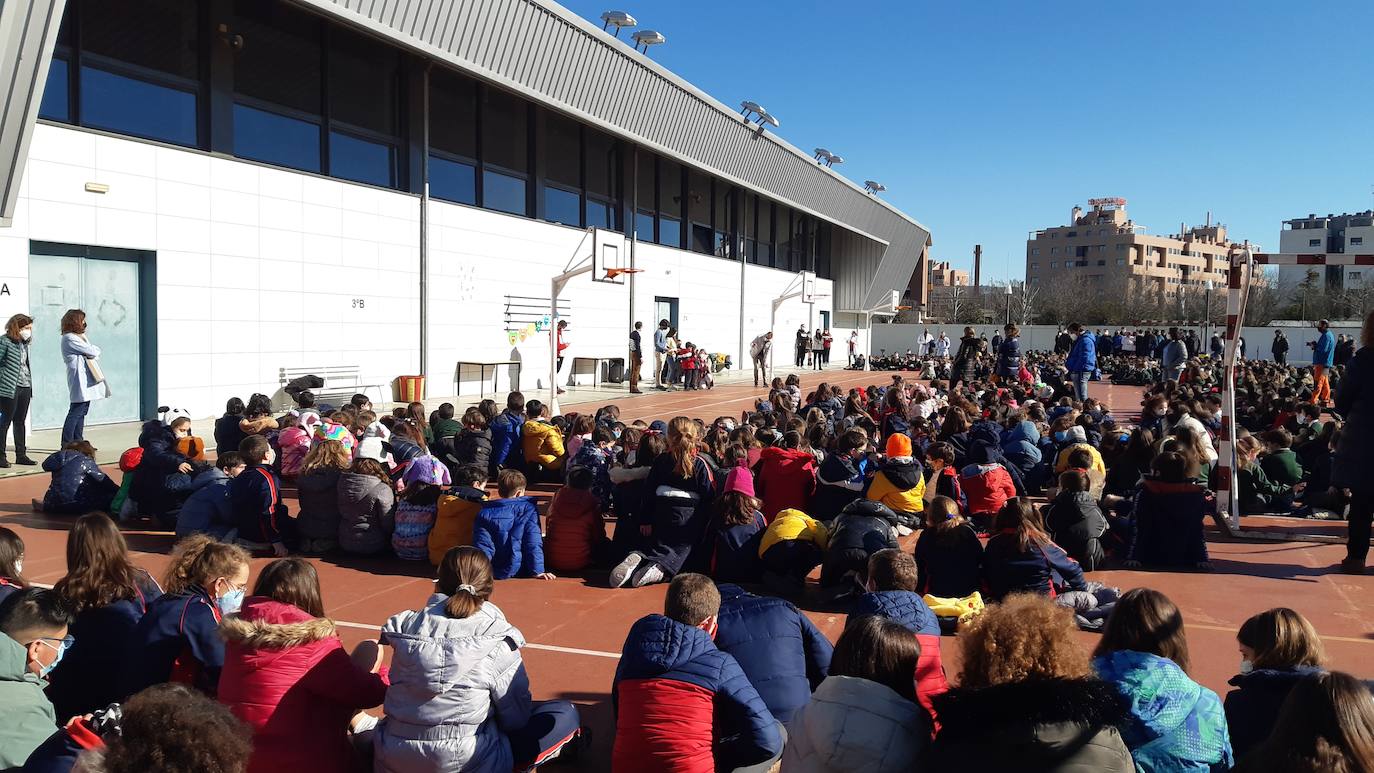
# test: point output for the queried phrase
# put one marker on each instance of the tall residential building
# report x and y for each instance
(942, 274)
(1326, 234)
(1113, 253)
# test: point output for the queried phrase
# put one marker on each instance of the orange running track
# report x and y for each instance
(575, 625)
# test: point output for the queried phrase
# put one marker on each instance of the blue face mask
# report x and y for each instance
(61, 650)
(1061, 436)
(230, 602)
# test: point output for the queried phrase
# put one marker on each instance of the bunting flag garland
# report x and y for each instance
(511, 336)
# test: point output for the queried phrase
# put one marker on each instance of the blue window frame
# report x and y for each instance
(453, 180)
(274, 138)
(503, 192)
(562, 206)
(56, 105)
(361, 160)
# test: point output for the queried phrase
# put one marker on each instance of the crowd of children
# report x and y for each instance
(725, 679)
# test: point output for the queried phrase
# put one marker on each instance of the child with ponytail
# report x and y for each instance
(178, 638)
(11, 563)
(459, 693)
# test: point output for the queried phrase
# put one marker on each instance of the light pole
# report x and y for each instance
(1008, 303)
(1207, 322)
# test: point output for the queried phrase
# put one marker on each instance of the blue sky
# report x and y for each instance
(987, 120)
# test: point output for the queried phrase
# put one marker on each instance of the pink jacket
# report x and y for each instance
(295, 444)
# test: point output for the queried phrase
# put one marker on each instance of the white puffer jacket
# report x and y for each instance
(454, 685)
(853, 725)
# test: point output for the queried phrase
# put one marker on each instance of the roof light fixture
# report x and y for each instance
(873, 188)
(834, 159)
(645, 38)
(823, 156)
(617, 19)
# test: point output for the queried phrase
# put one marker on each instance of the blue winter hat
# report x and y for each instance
(658, 426)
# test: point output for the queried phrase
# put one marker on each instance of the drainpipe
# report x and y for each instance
(424, 227)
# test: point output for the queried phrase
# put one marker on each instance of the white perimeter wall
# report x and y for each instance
(259, 268)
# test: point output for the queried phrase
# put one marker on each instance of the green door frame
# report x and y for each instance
(147, 307)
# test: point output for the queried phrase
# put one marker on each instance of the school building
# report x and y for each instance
(231, 188)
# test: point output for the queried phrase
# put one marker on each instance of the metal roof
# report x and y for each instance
(555, 58)
(28, 32)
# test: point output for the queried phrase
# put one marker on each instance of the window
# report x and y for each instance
(140, 68)
(1120, 261)
(768, 212)
(700, 203)
(646, 194)
(1101, 262)
(1357, 240)
(1101, 248)
(1054, 264)
(453, 137)
(750, 227)
(724, 204)
(1314, 242)
(364, 108)
(1054, 250)
(505, 151)
(1035, 251)
(1035, 267)
(562, 150)
(669, 203)
(782, 232)
(602, 164)
(1120, 247)
(56, 105)
(1071, 233)
(277, 86)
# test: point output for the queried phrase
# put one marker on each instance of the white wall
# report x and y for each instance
(258, 268)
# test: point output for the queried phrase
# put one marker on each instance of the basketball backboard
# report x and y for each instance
(808, 291)
(609, 257)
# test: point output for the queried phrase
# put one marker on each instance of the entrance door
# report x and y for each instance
(665, 308)
(825, 320)
(108, 291)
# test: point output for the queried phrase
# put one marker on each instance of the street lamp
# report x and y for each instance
(1208, 314)
(1008, 303)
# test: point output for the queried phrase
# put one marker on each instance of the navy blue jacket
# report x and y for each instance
(87, 679)
(660, 651)
(864, 525)
(227, 433)
(177, 641)
(255, 499)
(77, 483)
(736, 556)
(899, 606)
(1009, 359)
(506, 431)
(160, 459)
(781, 651)
(838, 482)
(1041, 570)
(679, 510)
(949, 564)
(207, 509)
(1253, 707)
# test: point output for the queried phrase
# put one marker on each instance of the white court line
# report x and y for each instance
(528, 645)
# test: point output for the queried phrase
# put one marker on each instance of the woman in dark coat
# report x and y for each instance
(1009, 356)
(1355, 451)
(16, 386)
(1278, 649)
(965, 366)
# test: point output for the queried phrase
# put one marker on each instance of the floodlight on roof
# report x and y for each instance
(767, 118)
(834, 159)
(822, 155)
(874, 188)
(617, 19)
(645, 38)
(747, 107)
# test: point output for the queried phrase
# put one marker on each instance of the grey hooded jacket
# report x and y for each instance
(458, 686)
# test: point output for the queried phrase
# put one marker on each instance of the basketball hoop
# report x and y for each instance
(612, 273)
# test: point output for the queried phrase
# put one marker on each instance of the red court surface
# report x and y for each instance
(575, 625)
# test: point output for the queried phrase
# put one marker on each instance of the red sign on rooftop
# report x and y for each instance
(1111, 201)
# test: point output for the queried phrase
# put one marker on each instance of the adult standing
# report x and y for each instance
(1009, 356)
(965, 366)
(926, 343)
(674, 367)
(1175, 356)
(16, 386)
(1082, 360)
(942, 345)
(636, 358)
(1345, 349)
(1063, 342)
(1279, 348)
(85, 380)
(1355, 451)
(1217, 346)
(660, 352)
(817, 349)
(561, 342)
(1240, 346)
(854, 346)
(827, 341)
(1323, 352)
(758, 352)
(803, 340)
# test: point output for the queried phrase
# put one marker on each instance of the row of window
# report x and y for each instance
(1354, 241)
(293, 90)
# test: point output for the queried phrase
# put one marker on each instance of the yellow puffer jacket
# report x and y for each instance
(910, 500)
(543, 444)
(792, 525)
(1061, 462)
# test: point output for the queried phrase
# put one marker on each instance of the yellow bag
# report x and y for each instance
(965, 609)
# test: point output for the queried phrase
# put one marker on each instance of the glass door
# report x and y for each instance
(665, 308)
(108, 291)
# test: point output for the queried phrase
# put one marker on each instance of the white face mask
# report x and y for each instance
(26, 334)
(1246, 666)
(19, 567)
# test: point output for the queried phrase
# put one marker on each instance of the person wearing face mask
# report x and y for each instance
(158, 439)
(1082, 360)
(255, 499)
(178, 638)
(1278, 649)
(34, 622)
(16, 386)
(85, 379)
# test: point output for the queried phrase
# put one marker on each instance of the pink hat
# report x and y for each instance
(741, 480)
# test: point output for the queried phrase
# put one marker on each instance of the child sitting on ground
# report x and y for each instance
(781, 651)
(424, 479)
(255, 498)
(228, 435)
(595, 456)
(576, 537)
(899, 485)
(78, 484)
(949, 556)
(988, 487)
(678, 698)
(739, 529)
(892, 594)
(944, 479)
(507, 530)
(840, 479)
(457, 512)
(542, 444)
(472, 446)
(786, 476)
(208, 510)
(791, 547)
(863, 528)
(294, 443)
(1021, 558)
(1075, 522)
(366, 508)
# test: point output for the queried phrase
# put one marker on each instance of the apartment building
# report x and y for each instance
(1113, 253)
(943, 274)
(1344, 233)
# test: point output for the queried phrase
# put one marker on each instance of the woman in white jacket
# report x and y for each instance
(864, 717)
(85, 382)
(459, 698)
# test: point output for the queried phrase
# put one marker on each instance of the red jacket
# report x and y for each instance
(786, 480)
(574, 527)
(287, 675)
(987, 486)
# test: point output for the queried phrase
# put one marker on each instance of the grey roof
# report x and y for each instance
(28, 32)
(556, 58)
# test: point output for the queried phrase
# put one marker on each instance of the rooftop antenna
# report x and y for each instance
(617, 19)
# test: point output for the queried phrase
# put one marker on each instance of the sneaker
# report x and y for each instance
(648, 576)
(4, 464)
(36, 504)
(24, 460)
(903, 531)
(636, 391)
(1352, 566)
(578, 747)
(621, 573)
